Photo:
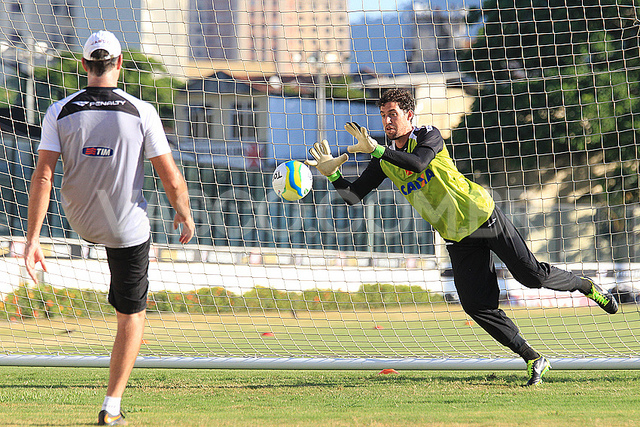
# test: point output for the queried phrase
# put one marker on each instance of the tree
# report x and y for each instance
(559, 86)
(556, 78)
(142, 76)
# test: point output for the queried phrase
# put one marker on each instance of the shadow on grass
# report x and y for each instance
(62, 423)
(281, 380)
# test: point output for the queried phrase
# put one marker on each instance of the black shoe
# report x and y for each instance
(603, 298)
(536, 368)
(104, 419)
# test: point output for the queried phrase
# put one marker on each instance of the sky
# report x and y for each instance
(358, 6)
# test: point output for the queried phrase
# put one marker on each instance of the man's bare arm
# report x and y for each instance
(177, 192)
(39, 198)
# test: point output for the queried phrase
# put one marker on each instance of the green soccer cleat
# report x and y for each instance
(603, 298)
(104, 419)
(536, 368)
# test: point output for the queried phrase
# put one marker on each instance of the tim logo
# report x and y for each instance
(97, 151)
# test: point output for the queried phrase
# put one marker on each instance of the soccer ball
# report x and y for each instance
(292, 180)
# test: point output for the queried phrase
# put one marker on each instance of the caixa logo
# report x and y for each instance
(418, 183)
(97, 151)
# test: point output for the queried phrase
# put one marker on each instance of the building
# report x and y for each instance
(64, 25)
(379, 45)
(27, 22)
(436, 36)
(193, 38)
(231, 120)
(442, 99)
(422, 39)
(296, 36)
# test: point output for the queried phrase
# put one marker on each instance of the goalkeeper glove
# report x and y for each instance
(365, 144)
(326, 164)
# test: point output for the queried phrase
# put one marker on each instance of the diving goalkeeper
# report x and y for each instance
(462, 212)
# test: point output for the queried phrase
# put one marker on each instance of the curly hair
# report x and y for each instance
(402, 97)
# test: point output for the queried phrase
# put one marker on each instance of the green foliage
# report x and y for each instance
(44, 301)
(49, 302)
(142, 76)
(59, 79)
(146, 78)
(555, 80)
(328, 300)
(338, 88)
(335, 88)
(269, 299)
(379, 295)
(8, 97)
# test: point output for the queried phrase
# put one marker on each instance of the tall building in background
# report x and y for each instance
(437, 34)
(121, 17)
(379, 44)
(193, 36)
(295, 36)
(420, 38)
(164, 34)
(211, 29)
(47, 24)
(64, 25)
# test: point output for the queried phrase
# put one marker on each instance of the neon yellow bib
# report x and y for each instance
(453, 205)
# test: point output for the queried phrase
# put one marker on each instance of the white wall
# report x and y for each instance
(184, 277)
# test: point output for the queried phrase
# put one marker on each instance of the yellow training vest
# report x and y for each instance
(452, 204)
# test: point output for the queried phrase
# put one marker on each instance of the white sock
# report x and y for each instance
(112, 405)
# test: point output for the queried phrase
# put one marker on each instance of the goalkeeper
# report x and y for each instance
(462, 212)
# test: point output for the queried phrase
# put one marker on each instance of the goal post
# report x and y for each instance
(317, 363)
(537, 104)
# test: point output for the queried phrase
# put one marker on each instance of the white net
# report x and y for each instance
(539, 102)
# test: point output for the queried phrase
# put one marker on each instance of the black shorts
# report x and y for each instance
(129, 277)
(474, 272)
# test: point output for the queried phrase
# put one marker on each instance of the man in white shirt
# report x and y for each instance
(103, 134)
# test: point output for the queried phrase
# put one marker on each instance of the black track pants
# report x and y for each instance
(476, 281)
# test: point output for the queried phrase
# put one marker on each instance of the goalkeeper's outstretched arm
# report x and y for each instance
(329, 166)
(429, 144)
(354, 192)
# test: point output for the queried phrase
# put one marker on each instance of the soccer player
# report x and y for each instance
(103, 134)
(464, 214)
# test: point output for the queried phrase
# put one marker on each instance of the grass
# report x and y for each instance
(436, 331)
(376, 321)
(72, 397)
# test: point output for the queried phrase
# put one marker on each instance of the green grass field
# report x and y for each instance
(181, 397)
(72, 397)
(436, 331)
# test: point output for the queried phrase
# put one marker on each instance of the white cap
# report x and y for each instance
(102, 40)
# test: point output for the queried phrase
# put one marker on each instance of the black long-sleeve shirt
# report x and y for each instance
(429, 143)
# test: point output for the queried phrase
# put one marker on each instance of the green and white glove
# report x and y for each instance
(365, 144)
(326, 164)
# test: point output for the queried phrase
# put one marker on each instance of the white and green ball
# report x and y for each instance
(292, 180)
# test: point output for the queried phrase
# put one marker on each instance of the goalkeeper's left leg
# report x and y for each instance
(507, 243)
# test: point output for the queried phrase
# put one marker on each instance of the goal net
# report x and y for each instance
(539, 102)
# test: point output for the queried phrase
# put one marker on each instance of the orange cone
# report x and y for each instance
(387, 372)
(268, 334)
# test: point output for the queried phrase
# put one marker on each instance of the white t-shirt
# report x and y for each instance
(103, 136)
